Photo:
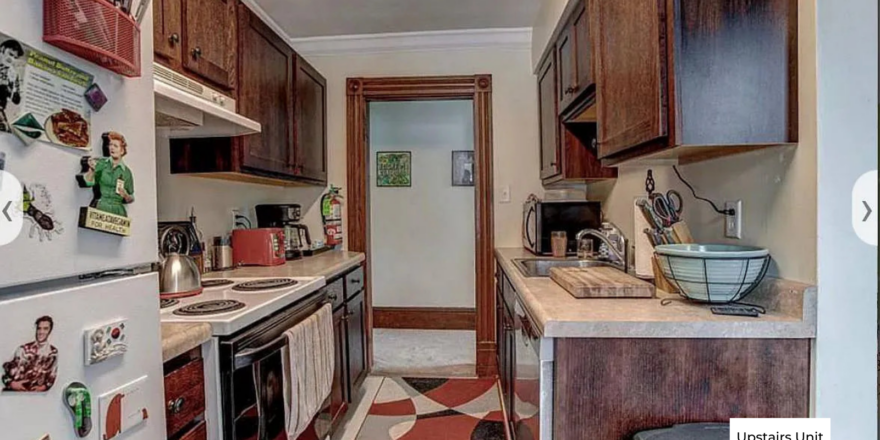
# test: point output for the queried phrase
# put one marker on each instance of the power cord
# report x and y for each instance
(694, 192)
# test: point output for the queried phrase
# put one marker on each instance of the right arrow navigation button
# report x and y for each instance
(864, 202)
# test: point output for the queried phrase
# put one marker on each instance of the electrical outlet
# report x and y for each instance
(232, 213)
(733, 223)
(505, 194)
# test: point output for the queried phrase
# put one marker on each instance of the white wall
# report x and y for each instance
(846, 346)
(422, 236)
(213, 199)
(545, 22)
(514, 115)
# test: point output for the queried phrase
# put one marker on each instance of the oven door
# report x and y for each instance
(258, 407)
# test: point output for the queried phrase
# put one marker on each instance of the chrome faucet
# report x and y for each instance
(612, 240)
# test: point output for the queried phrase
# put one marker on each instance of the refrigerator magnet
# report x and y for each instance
(34, 365)
(78, 399)
(123, 409)
(112, 185)
(95, 97)
(37, 208)
(27, 129)
(105, 342)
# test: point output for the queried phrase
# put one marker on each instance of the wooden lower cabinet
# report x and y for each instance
(198, 432)
(613, 388)
(356, 340)
(339, 393)
(185, 396)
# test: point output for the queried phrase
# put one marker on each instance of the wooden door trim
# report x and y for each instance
(478, 88)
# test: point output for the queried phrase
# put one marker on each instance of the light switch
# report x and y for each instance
(505, 194)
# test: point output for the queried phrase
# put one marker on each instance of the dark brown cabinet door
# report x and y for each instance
(356, 334)
(339, 392)
(311, 115)
(265, 94)
(547, 115)
(209, 44)
(584, 51)
(566, 68)
(631, 95)
(167, 30)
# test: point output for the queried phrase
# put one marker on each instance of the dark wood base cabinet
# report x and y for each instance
(346, 293)
(611, 389)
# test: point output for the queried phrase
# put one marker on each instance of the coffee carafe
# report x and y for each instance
(287, 217)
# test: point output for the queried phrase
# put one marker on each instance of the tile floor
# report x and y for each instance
(425, 392)
(406, 408)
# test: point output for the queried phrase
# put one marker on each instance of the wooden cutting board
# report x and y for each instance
(600, 282)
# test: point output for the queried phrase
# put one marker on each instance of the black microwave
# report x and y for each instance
(542, 218)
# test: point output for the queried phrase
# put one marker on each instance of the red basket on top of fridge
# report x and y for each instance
(94, 30)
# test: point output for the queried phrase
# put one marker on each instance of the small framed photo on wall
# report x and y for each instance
(463, 168)
(393, 169)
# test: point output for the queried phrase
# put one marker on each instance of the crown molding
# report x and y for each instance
(267, 19)
(503, 39)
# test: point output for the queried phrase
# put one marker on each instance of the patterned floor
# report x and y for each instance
(435, 409)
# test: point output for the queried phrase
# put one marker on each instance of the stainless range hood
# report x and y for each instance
(188, 109)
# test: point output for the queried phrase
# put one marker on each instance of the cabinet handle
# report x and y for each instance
(176, 406)
(332, 297)
(174, 38)
(197, 52)
(355, 281)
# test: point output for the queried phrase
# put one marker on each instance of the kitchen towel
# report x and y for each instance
(309, 372)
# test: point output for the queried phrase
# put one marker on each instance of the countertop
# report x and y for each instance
(791, 311)
(327, 265)
(178, 339)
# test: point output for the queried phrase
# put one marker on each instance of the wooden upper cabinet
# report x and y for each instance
(265, 94)
(695, 80)
(167, 29)
(548, 117)
(566, 59)
(631, 94)
(310, 95)
(209, 43)
(584, 44)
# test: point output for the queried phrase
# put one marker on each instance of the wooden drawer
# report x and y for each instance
(184, 395)
(198, 432)
(354, 282)
(335, 292)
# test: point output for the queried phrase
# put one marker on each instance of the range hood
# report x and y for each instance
(188, 109)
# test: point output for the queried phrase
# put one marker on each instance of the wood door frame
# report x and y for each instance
(362, 91)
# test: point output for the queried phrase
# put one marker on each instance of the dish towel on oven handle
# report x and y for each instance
(309, 369)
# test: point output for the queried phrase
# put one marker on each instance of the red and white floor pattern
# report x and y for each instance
(435, 409)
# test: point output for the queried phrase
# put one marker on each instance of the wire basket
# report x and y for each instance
(96, 31)
(718, 280)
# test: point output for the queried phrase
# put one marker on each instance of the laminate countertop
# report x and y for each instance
(178, 339)
(791, 311)
(327, 265)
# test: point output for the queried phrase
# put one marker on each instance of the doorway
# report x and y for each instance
(477, 90)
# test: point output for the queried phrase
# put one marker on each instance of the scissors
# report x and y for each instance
(668, 206)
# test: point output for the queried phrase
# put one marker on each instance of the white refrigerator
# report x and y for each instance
(80, 358)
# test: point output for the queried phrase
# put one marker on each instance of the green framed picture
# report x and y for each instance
(393, 169)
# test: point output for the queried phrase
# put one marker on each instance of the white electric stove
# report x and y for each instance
(232, 304)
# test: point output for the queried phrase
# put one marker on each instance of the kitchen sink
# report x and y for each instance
(540, 267)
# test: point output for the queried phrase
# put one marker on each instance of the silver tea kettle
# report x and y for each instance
(179, 275)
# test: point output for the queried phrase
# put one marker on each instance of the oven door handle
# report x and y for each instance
(247, 357)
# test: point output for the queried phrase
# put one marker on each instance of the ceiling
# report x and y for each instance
(316, 18)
